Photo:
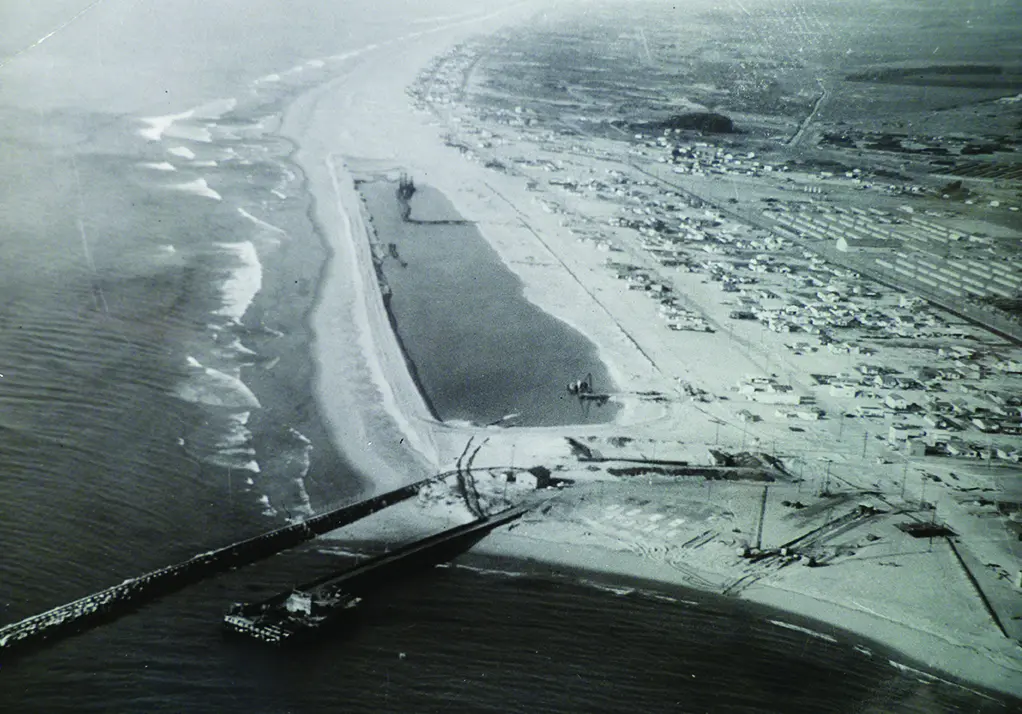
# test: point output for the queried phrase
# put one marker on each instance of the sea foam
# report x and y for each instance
(159, 125)
(214, 388)
(199, 187)
(803, 630)
(244, 282)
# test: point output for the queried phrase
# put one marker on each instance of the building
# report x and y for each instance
(844, 389)
(896, 401)
(903, 432)
(855, 244)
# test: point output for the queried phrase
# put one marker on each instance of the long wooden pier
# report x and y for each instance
(114, 601)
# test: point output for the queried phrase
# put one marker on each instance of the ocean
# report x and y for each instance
(156, 274)
(482, 637)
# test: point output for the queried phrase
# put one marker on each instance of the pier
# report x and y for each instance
(119, 599)
(328, 602)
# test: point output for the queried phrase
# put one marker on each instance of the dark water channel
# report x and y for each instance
(481, 351)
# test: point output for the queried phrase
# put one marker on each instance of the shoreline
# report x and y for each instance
(402, 434)
(386, 296)
(513, 549)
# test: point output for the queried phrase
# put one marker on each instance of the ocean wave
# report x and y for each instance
(191, 132)
(267, 228)
(198, 187)
(662, 597)
(490, 571)
(244, 282)
(157, 126)
(615, 590)
(182, 151)
(927, 678)
(236, 433)
(804, 630)
(268, 510)
(214, 388)
(233, 461)
(158, 166)
(215, 109)
(171, 124)
(304, 462)
(235, 351)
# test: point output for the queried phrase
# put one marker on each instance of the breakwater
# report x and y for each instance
(126, 596)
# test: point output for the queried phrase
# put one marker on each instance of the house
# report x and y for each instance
(903, 432)
(936, 421)
(1008, 453)
(896, 401)
(868, 370)
(856, 244)
(843, 389)
(1011, 366)
(886, 381)
(916, 447)
(958, 448)
(1011, 427)
(985, 424)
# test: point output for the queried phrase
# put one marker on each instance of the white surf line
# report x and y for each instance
(50, 34)
(260, 222)
(804, 630)
(198, 187)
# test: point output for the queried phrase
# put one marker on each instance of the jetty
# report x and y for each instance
(329, 603)
(112, 602)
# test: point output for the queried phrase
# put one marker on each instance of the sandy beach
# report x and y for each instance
(389, 434)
